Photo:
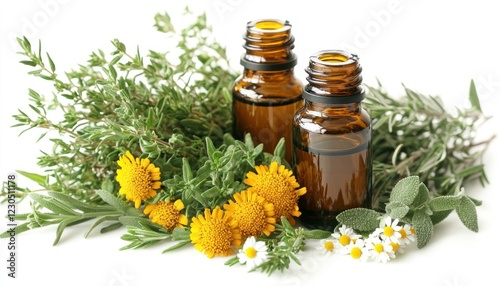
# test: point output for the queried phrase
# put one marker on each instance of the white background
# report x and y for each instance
(435, 47)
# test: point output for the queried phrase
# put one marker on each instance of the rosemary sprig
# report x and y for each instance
(417, 135)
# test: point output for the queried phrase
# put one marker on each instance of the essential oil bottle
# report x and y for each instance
(267, 94)
(332, 140)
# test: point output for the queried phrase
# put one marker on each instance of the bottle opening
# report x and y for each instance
(333, 58)
(269, 25)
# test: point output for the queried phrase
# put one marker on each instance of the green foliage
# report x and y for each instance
(417, 135)
(410, 202)
(151, 105)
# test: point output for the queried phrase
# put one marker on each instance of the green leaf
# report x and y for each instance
(466, 211)
(317, 234)
(424, 229)
(422, 196)
(439, 216)
(62, 226)
(444, 203)
(51, 63)
(473, 97)
(397, 209)
(187, 174)
(40, 179)
(98, 222)
(52, 204)
(279, 150)
(117, 203)
(177, 246)
(360, 219)
(406, 190)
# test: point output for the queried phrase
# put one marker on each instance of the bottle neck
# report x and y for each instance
(333, 109)
(334, 74)
(268, 46)
(267, 76)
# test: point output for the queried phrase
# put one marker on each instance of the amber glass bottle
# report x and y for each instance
(267, 94)
(332, 140)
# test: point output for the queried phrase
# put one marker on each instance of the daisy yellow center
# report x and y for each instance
(276, 190)
(403, 233)
(137, 181)
(216, 237)
(412, 230)
(395, 246)
(251, 218)
(251, 252)
(277, 186)
(379, 248)
(328, 245)
(215, 233)
(388, 231)
(138, 178)
(344, 239)
(165, 214)
(356, 252)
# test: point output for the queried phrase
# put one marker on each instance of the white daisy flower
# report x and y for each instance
(407, 234)
(329, 245)
(357, 250)
(253, 253)
(389, 230)
(380, 250)
(345, 235)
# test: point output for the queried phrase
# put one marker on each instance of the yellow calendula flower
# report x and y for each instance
(215, 233)
(167, 214)
(252, 212)
(139, 178)
(279, 187)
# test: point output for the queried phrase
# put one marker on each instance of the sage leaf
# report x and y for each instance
(360, 219)
(397, 209)
(466, 211)
(405, 190)
(439, 216)
(444, 203)
(422, 196)
(316, 234)
(424, 229)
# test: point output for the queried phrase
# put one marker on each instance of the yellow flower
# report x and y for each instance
(215, 233)
(167, 214)
(279, 187)
(253, 213)
(139, 178)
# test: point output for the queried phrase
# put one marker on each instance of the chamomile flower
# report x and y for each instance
(345, 235)
(389, 230)
(407, 234)
(358, 250)
(253, 253)
(379, 250)
(329, 245)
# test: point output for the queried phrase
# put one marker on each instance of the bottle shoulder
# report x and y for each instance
(337, 123)
(262, 88)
